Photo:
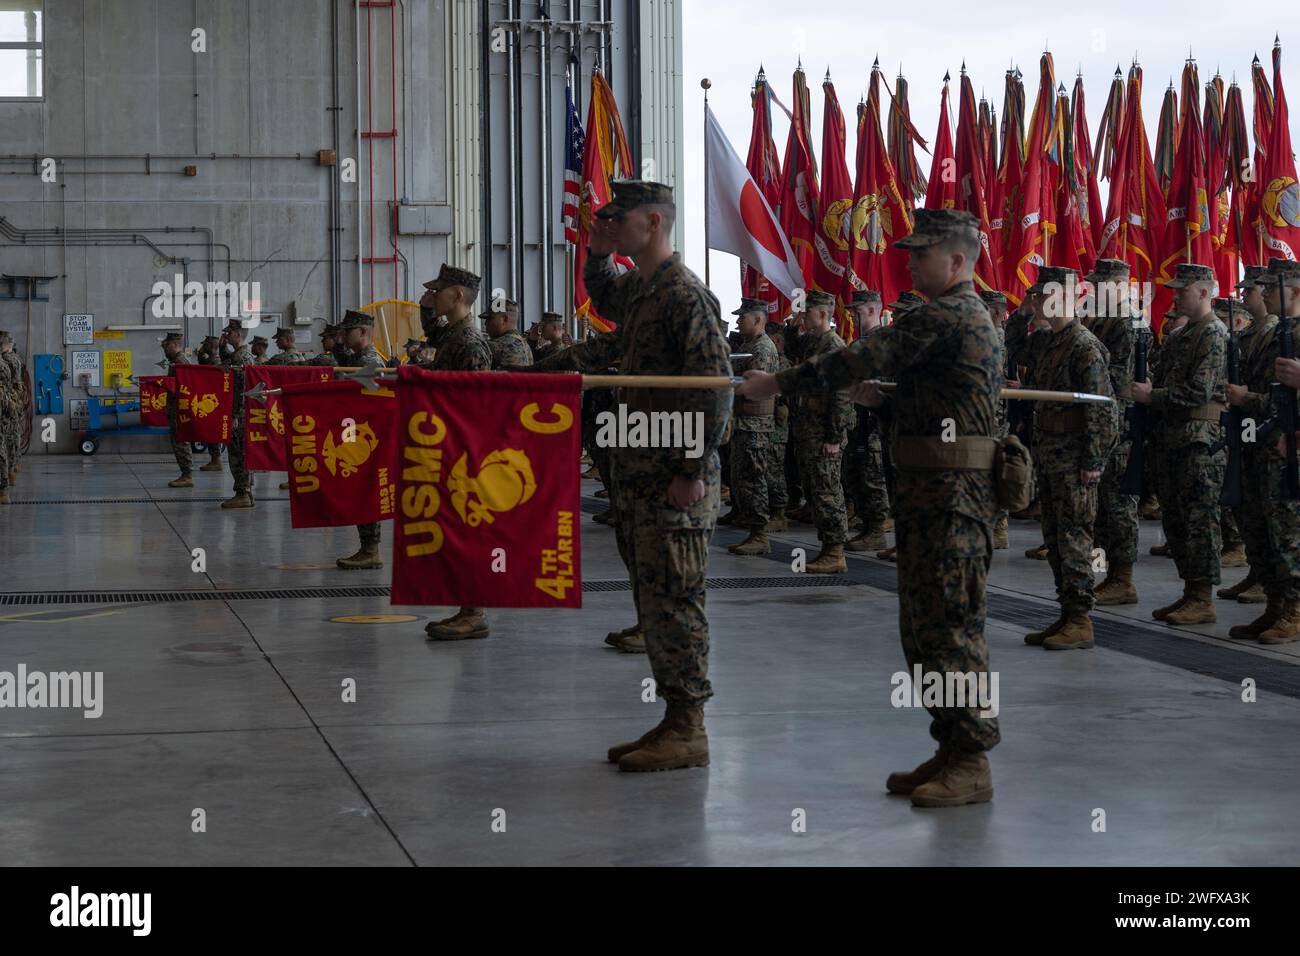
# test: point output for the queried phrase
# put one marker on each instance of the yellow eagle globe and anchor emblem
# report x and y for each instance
(871, 221)
(157, 401)
(276, 418)
(504, 482)
(1281, 202)
(345, 458)
(201, 406)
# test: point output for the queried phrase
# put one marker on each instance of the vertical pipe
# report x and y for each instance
(356, 29)
(512, 151)
(334, 193)
(517, 168)
(574, 71)
(485, 138)
(604, 37)
(633, 29)
(392, 106)
(544, 167)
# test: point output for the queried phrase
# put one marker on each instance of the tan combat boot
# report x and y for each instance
(1253, 595)
(888, 526)
(1149, 508)
(1118, 587)
(1252, 631)
(4, 496)
(214, 464)
(681, 743)
(1287, 626)
(867, 541)
(241, 499)
(889, 554)
(613, 636)
(1036, 638)
(1038, 554)
(1238, 589)
(1075, 634)
(1001, 534)
(1234, 557)
(756, 543)
(829, 561)
(184, 481)
(618, 751)
(366, 558)
(435, 625)
(777, 522)
(905, 781)
(469, 623)
(965, 778)
(1161, 613)
(1197, 609)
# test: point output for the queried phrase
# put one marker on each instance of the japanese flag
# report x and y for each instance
(739, 219)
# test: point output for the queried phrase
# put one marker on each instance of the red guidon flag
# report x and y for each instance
(205, 403)
(342, 447)
(488, 510)
(264, 431)
(154, 391)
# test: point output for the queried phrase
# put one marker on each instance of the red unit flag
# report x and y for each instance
(342, 447)
(205, 404)
(264, 441)
(488, 490)
(154, 393)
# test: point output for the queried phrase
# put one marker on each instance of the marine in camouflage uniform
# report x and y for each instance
(821, 424)
(461, 346)
(996, 303)
(209, 353)
(864, 466)
(945, 357)
(356, 329)
(506, 343)
(235, 361)
(1260, 333)
(751, 437)
(258, 347)
(1156, 472)
(8, 412)
(669, 323)
(11, 424)
(173, 345)
(288, 354)
(1071, 445)
(1116, 530)
(1264, 470)
(328, 343)
(1191, 402)
(778, 495)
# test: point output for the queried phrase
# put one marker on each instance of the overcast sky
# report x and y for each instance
(726, 41)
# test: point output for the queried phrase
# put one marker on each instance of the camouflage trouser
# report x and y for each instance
(750, 452)
(595, 402)
(943, 562)
(666, 553)
(1068, 512)
(369, 535)
(5, 463)
(181, 449)
(1282, 516)
(777, 496)
(243, 480)
(864, 481)
(1189, 509)
(821, 477)
(1116, 530)
(1229, 532)
(1251, 517)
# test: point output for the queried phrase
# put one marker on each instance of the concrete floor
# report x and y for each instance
(234, 706)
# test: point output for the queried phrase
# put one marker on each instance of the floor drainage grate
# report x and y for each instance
(161, 499)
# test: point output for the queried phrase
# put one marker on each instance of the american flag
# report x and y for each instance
(574, 145)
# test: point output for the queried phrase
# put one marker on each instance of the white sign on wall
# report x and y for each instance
(78, 329)
(83, 364)
(80, 409)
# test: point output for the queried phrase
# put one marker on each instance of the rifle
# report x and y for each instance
(1284, 399)
(1138, 421)
(1231, 420)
